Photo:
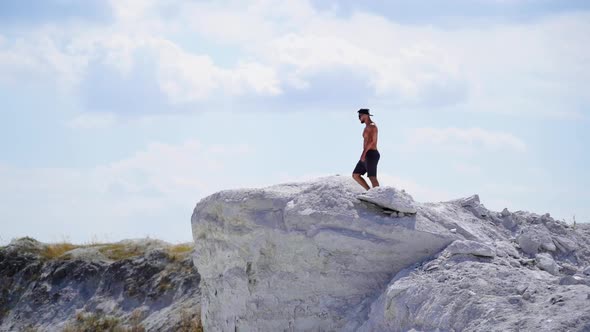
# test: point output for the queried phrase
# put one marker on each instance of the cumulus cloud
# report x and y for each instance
(289, 48)
(40, 57)
(185, 77)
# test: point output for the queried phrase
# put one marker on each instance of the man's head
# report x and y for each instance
(364, 115)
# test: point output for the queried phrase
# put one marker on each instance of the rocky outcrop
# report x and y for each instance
(305, 256)
(528, 285)
(313, 257)
(130, 285)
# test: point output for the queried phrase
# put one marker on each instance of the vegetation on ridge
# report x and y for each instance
(113, 251)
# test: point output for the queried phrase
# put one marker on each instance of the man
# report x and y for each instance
(370, 157)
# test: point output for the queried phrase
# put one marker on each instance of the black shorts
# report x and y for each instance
(370, 164)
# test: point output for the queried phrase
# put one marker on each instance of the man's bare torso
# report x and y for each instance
(370, 137)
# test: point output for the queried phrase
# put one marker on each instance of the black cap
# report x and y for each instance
(364, 111)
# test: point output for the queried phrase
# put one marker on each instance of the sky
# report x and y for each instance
(118, 116)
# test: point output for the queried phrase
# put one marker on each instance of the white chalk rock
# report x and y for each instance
(312, 257)
(470, 248)
(545, 262)
(390, 198)
(564, 245)
(474, 205)
(300, 256)
(534, 238)
(505, 212)
(505, 248)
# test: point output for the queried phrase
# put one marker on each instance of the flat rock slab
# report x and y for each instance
(390, 198)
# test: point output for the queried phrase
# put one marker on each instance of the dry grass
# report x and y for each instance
(179, 251)
(55, 250)
(94, 322)
(113, 251)
(118, 251)
(190, 323)
(136, 317)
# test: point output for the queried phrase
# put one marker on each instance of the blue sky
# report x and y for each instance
(118, 116)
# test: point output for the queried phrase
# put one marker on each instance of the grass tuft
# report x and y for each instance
(55, 250)
(179, 251)
(94, 322)
(118, 251)
(190, 323)
(113, 251)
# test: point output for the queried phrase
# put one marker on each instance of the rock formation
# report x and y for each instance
(132, 285)
(311, 256)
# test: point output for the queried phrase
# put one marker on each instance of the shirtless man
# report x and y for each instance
(370, 156)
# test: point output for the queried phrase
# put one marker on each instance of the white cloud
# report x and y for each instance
(64, 54)
(131, 10)
(398, 60)
(492, 68)
(458, 139)
(287, 42)
(185, 77)
(40, 56)
(277, 44)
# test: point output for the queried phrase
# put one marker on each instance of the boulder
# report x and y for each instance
(505, 212)
(568, 269)
(545, 262)
(573, 280)
(533, 238)
(505, 248)
(474, 205)
(564, 244)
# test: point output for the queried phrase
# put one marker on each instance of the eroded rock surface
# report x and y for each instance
(142, 284)
(306, 256)
(312, 257)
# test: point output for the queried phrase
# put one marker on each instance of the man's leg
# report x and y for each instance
(372, 161)
(374, 181)
(358, 178)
